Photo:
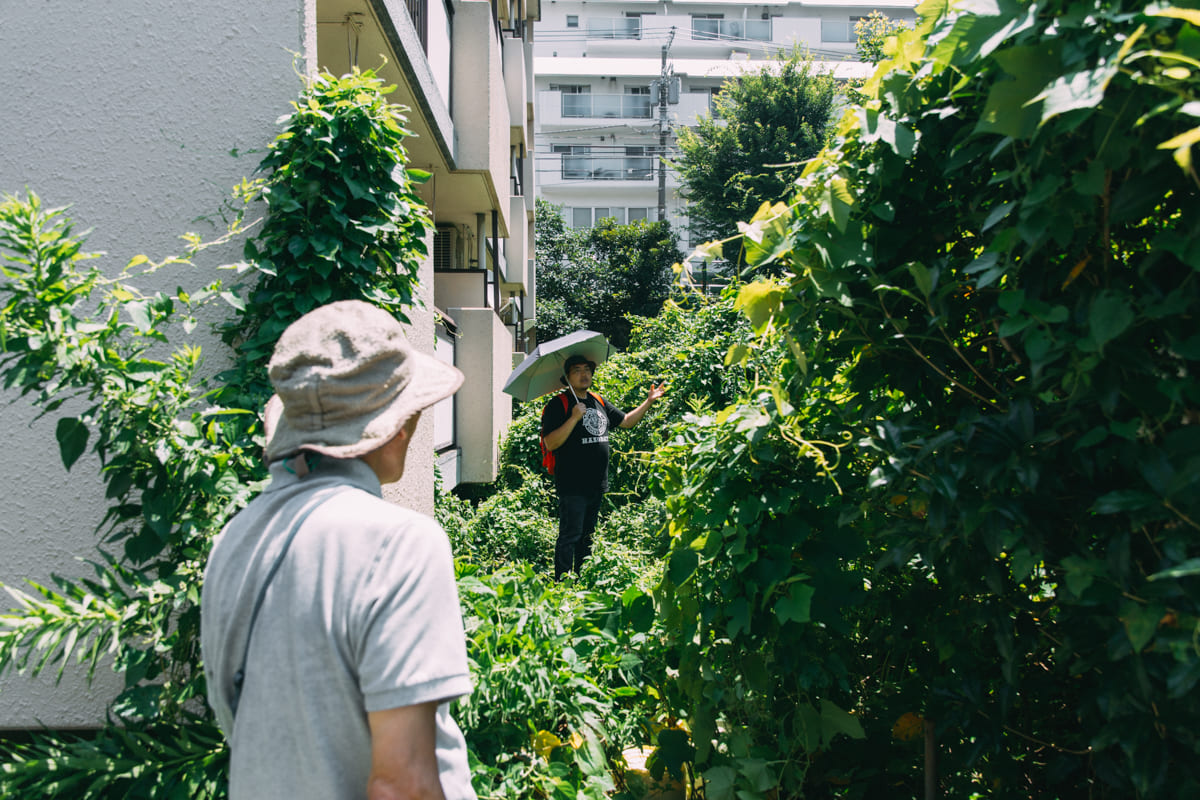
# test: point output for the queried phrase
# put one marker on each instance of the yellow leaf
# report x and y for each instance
(1177, 73)
(1191, 15)
(544, 743)
(1185, 139)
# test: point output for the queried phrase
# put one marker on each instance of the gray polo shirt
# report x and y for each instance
(362, 616)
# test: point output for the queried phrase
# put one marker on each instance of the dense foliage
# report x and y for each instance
(965, 509)
(750, 150)
(593, 278)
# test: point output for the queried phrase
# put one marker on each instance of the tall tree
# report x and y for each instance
(766, 125)
(593, 278)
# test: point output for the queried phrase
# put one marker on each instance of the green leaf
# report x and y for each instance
(139, 313)
(1010, 109)
(922, 277)
(796, 605)
(1109, 317)
(682, 565)
(1183, 570)
(1124, 500)
(1084, 89)
(719, 782)
(835, 721)
(72, 437)
(1141, 621)
(760, 301)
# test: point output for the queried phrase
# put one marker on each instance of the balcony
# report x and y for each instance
(629, 28)
(607, 168)
(727, 30)
(618, 106)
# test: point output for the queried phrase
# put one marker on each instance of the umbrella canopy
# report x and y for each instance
(539, 373)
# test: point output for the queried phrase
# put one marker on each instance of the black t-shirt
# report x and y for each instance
(581, 463)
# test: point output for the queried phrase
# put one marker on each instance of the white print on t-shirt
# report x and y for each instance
(595, 422)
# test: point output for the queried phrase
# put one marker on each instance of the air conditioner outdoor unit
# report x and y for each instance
(445, 248)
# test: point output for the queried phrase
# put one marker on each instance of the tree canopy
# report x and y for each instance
(593, 278)
(767, 123)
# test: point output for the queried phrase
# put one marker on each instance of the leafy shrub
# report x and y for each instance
(557, 673)
(987, 312)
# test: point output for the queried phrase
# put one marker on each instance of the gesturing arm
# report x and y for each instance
(635, 416)
(403, 756)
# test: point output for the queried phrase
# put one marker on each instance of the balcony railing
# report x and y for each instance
(418, 12)
(622, 106)
(607, 168)
(614, 28)
(756, 30)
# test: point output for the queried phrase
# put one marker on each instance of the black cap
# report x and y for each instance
(576, 360)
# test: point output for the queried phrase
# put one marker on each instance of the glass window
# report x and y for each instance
(581, 217)
(572, 20)
(706, 26)
(637, 213)
(839, 30)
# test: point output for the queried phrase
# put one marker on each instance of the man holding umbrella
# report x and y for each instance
(575, 425)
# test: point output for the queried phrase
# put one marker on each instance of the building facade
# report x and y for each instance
(616, 78)
(143, 114)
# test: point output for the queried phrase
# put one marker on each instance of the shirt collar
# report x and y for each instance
(352, 471)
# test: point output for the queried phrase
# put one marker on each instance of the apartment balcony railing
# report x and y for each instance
(591, 168)
(418, 12)
(614, 28)
(622, 106)
(755, 30)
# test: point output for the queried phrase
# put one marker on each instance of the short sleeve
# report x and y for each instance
(615, 415)
(553, 415)
(411, 646)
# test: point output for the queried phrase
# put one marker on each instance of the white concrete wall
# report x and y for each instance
(142, 114)
(479, 102)
(485, 355)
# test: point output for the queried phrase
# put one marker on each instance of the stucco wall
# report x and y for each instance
(485, 355)
(142, 114)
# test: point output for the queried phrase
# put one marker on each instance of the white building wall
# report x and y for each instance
(142, 115)
(142, 118)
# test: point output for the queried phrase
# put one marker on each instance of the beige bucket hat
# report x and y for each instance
(346, 380)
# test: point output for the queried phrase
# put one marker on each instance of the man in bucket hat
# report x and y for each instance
(575, 425)
(331, 630)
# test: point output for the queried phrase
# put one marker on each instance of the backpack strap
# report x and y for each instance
(239, 677)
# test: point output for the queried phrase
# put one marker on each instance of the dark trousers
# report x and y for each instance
(577, 516)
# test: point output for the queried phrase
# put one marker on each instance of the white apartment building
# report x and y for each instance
(602, 121)
(143, 114)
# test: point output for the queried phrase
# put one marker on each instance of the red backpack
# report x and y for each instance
(547, 453)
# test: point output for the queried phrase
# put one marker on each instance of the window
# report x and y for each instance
(706, 26)
(590, 217)
(839, 30)
(711, 92)
(572, 20)
(639, 163)
(576, 160)
(633, 23)
(576, 98)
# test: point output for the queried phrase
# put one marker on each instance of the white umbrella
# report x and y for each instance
(539, 373)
